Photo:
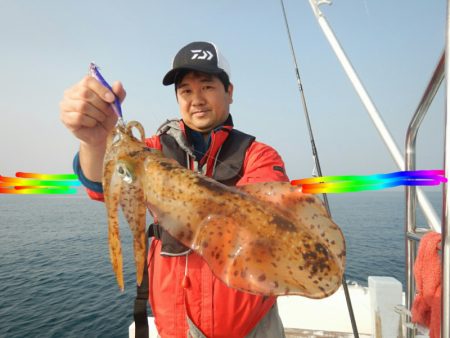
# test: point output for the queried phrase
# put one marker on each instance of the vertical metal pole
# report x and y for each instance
(410, 164)
(410, 256)
(426, 206)
(445, 244)
(410, 245)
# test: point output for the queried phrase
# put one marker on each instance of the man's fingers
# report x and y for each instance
(75, 121)
(84, 108)
(100, 90)
(91, 92)
(110, 123)
(87, 112)
(119, 90)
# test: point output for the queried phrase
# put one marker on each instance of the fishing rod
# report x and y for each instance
(316, 159)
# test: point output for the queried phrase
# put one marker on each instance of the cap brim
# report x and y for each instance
(172, 74)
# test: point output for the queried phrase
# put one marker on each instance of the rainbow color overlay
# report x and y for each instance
(39, 184)
(341, 184)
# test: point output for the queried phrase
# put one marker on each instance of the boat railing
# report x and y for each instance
(413, 234)
(428, 210)
(413, 194)
(445, 243)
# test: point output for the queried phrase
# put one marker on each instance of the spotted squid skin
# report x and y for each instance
(134, 209)
(251, 244)
(304, 208)
(129, 195)
(268, 238)
(111, 189)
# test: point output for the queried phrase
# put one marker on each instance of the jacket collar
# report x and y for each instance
(198, 141)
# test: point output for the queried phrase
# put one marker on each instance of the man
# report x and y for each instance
(186, 298)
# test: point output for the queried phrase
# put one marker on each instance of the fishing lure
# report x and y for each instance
(95, 73)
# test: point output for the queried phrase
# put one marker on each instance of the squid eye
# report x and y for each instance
(125, 173)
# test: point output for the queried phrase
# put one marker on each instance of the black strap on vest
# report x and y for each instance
(140, 307)
(140, 303)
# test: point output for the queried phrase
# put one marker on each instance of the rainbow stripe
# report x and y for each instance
(341, 184)
(47, 177)
(32, 183)
(38, 191)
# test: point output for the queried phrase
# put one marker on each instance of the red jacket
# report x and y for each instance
(218, 311)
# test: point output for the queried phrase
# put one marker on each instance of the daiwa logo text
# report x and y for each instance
(201, 54)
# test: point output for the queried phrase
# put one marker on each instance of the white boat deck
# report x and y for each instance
(329, 317)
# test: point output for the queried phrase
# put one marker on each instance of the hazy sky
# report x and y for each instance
(46, 46)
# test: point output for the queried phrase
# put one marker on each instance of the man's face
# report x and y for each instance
(204, 103)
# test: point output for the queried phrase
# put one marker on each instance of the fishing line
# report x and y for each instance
(316, 159)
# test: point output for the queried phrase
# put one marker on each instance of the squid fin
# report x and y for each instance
(306, 209)
(247, 263)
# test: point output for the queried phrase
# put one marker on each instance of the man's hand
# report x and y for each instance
(86, 110)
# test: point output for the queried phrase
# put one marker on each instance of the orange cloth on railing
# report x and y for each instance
(426, 309)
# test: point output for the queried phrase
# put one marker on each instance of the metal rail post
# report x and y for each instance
(411, 232)
(445, 244)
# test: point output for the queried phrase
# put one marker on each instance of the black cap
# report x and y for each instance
(199, 56)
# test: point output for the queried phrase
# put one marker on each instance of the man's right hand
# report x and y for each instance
(86, 110)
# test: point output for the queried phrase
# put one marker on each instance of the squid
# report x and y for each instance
(267, 238)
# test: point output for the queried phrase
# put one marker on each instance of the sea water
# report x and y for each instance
(56, 279)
